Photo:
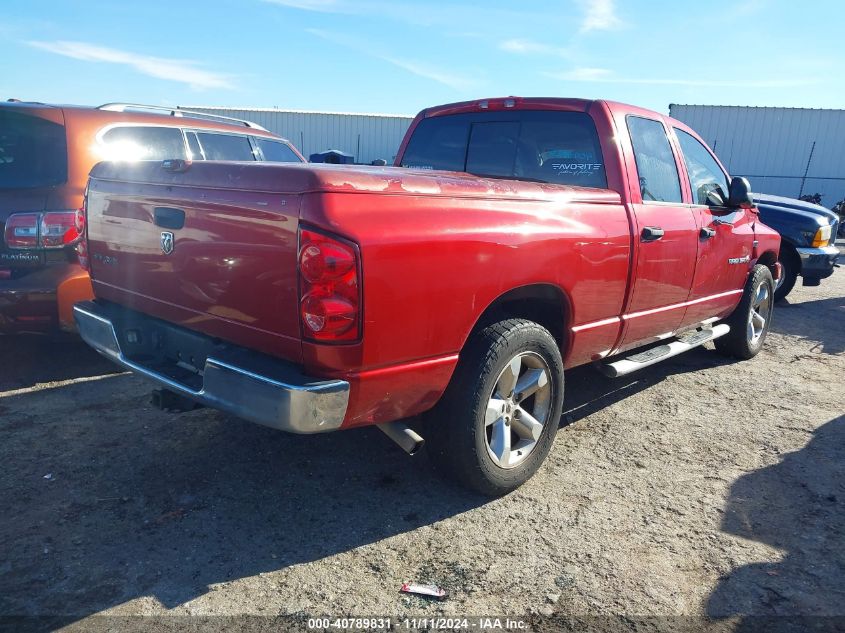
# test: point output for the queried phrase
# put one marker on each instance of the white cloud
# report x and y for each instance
(412, 14)
(421, 69)
(530, 47)
(181, 70)
(452, 15)
(585, 74)
(605, 76)
(745, 8)
(452, 80)
(600, 15)
(321, 6)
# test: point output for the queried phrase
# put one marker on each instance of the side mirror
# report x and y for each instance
(740, 193)
(715, 197)
(379, 162)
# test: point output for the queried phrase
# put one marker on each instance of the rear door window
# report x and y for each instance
(544, 146)
(656, 167)
(33, 151)
(276, 151)
(133, 142)
(225, 146)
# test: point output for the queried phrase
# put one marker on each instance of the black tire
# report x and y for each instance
(788, 258)
(459, 437)
(742, 342)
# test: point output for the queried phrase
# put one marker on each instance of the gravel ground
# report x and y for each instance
(698, 487)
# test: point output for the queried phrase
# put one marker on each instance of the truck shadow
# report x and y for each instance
(115, 501)
(798, 506)
(588, 391)
(28, 359)
(811, 320)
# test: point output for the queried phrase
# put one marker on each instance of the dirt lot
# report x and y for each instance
(699, 487)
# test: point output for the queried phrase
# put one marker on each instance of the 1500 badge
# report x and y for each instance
(108, 260)
(739, 260)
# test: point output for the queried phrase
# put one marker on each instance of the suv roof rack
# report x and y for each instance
(137, 107)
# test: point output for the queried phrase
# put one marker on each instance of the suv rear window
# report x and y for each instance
(544, 146)
(33, 151)
(225, 146)
(136, 142)
(276, 151)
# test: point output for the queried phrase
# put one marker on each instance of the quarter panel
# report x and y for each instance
(431, 266)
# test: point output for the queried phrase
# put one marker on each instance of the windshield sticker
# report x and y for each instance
(579, 169)
(568, 154)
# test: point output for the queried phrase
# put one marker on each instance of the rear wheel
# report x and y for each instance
(752, 317)
(497, 420)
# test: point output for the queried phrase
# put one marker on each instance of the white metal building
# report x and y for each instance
(782, 151)
(364, 136)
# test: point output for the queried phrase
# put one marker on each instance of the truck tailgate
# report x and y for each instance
(217, 259)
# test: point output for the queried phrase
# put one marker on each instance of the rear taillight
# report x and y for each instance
(329, 287)
(22, 230)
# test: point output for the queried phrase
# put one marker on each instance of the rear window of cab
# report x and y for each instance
(543, 146)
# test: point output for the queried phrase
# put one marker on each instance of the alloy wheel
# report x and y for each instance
(761, 309)
(518, 409)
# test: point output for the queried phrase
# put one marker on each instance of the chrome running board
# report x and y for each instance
(670, 348)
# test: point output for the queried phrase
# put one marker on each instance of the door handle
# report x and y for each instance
(651, 233)
(169, 218)
(706, 232)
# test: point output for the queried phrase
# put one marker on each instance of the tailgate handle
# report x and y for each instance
(169, 218)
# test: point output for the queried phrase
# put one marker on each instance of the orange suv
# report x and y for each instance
(46, 152)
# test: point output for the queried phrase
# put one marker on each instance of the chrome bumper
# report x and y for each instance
(818, 262)
(243, 383)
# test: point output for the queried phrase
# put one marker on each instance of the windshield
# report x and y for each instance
(33, 151)
(542, 146)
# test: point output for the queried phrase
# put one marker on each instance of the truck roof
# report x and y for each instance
(503, 103)
(567, 104)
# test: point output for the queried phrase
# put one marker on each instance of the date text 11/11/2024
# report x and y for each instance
(418, 624)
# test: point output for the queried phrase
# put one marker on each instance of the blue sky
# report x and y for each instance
(400, 56)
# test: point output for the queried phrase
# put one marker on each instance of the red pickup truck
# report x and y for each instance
(513, 239)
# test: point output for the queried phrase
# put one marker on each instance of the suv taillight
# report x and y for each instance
(22, 230)
(329, 288)
(58, 229)
(81, 220)
(53, 229)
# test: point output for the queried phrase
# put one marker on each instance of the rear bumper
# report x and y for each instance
(817, 263)
(32, 302)
(244, 383)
